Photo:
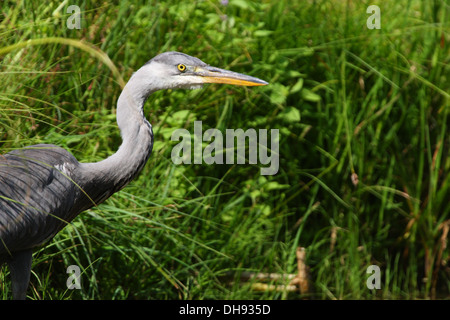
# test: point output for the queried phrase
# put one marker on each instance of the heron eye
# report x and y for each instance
(181, 67)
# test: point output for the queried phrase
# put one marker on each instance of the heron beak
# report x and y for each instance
(215, 75)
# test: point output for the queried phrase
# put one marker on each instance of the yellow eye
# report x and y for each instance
(181, 67)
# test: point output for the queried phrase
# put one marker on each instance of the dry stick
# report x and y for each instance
(298, 282)
(303, 274)
(445, 226)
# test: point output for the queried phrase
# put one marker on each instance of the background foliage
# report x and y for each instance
(364, 146)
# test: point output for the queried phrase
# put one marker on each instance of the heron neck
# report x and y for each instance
(123, 166)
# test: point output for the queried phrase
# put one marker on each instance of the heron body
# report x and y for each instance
(43, 187)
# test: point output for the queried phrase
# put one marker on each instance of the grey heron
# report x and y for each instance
(43, 187)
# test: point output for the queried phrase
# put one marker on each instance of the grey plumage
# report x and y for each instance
(43, 187)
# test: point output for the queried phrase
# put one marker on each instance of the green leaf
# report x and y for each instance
(273, 185)
(262, 33)
(279, 94)
(241, 4)
(297, 87)
(308, 95)
(289, 115)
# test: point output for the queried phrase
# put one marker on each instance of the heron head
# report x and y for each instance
(173, 70)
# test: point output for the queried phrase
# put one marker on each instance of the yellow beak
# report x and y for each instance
(216, 75)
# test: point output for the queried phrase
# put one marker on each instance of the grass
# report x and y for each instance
(364, 146)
